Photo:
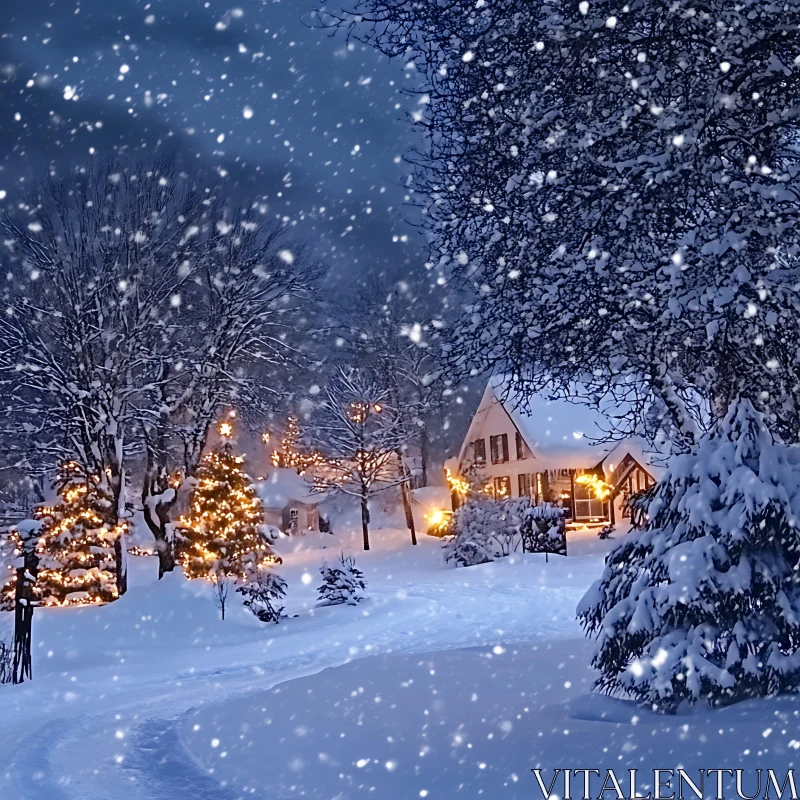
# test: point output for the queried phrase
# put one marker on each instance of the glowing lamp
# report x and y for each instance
(225, 430)
(437, 517)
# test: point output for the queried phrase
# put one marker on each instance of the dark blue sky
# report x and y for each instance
(287, 112)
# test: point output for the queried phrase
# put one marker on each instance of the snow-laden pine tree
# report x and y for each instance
(704, 604)
(342, 582)
(615, 185)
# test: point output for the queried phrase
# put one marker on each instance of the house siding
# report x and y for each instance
(490, 420)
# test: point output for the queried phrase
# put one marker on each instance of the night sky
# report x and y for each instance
(284, 111)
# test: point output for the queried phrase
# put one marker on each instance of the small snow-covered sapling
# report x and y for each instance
(605, 532)
(342, 583)
(264, 595)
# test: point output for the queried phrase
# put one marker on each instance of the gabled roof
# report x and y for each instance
(564, 434)
(281, 486)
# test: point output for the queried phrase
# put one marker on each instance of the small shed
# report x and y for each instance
(289, 501)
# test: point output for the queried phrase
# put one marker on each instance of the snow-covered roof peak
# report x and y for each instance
(282, 485)
(561, 432)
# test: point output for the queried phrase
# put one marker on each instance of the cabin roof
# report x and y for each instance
(566, 434)
(283, 486)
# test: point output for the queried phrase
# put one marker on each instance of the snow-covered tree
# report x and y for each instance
(264, 595)
(486, 529)
(704, 605)
(139, 302)
(342, 582)
(385, 326)
(614, 184)
(246, 314)
(74, 545)
(360, 433)
(93, 264)
(222, 534)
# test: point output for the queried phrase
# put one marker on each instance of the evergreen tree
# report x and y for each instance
(704, 604)
(264, 594)
(222, 534)
(342, 583)
(76, 541)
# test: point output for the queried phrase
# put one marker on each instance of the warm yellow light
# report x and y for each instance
(225, 429)
(599, 488)
(457, 484)
(436, 517)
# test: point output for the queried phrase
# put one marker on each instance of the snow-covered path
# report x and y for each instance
(111, 683)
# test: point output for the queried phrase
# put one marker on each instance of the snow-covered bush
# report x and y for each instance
(6, 660)
(342, 582)
(543, 528)
(485, 529)
(704, 604)
(264, 596)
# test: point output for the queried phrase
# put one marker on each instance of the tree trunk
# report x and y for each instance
(157, 519)
(365, 520)
(23, 614)
(424, 451)
(121, 557)
(407, 507)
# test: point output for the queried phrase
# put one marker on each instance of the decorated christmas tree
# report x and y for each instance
(289, 453)
(75, 544)
(704, 604)
(222, 534)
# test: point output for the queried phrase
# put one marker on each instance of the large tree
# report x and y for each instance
(139, 302)
(387, 326)
(614, 184)
(239, 333)
(94, 263)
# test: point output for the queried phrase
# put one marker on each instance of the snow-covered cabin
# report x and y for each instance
(539, 447)
(289, 501)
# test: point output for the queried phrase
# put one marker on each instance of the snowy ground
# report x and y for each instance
(448, 682)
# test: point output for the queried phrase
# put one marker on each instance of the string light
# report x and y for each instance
(75, 544)
(457, 484)
(288, 454)
(225, 430)
(221, 535)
